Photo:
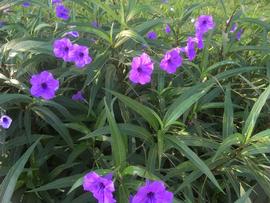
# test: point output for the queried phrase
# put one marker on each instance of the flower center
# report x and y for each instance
(101, 187)
(44, 85)
(81, 55)
(204, 22)
(5, 120)
(139, 69)
(66, 49)
(151, 196)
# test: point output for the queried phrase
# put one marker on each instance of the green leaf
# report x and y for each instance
(147, 113)
(118, 145)
(14, 98)
(178, 144)
(125, 128)
(49, 117)
(254, 114)
(101, 34)
(227, 143)
(228, 114)
(139, 171)
(9, 182)
(245, 197)
(59, 183)
(181, 105)
(125, 35)
(265, 134)
(221, 63)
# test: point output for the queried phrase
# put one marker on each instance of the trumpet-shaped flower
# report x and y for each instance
(80, 56)
(141, 69)
(62, 12)
(62, 48)
(102, 188)
(5, 121)
(171, 61)
(44, 85)
(152, 192)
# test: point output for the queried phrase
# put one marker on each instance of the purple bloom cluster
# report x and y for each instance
(102, 188)
(141, 69)
(44, 85)
(62, 12)
(5, 121)
(234, 28)
(63, 48)
(203, 24)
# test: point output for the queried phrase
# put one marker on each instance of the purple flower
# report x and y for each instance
(153, 192)
(171, 61)
(78, 96)
(204, 23)
(95, 24)
(26, 4)
(165, 1)
(239, 34)
(80, 56)
(44, 85)
(5, 121)
(167, 28)
(152, 35)
(102, 188)
(199, 40)
(234, 27)
(62, 48)
(62, 12)
(56, 1)
(190, 48)
(72, 33)
(141, 69)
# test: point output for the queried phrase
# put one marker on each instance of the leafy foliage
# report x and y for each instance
(204, 131)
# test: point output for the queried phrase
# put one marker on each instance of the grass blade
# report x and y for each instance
(9, 183)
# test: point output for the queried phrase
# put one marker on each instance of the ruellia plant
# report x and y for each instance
(134, 101)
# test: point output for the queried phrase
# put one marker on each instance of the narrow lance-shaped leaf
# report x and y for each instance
(254, 114)
(227, 143)
(9, 182)
(178, 144)
(228, 114)
(181, 105)
(49, 117)
(148, 114)
(118, 144)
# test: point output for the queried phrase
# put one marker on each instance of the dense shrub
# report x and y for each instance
(134, 101)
